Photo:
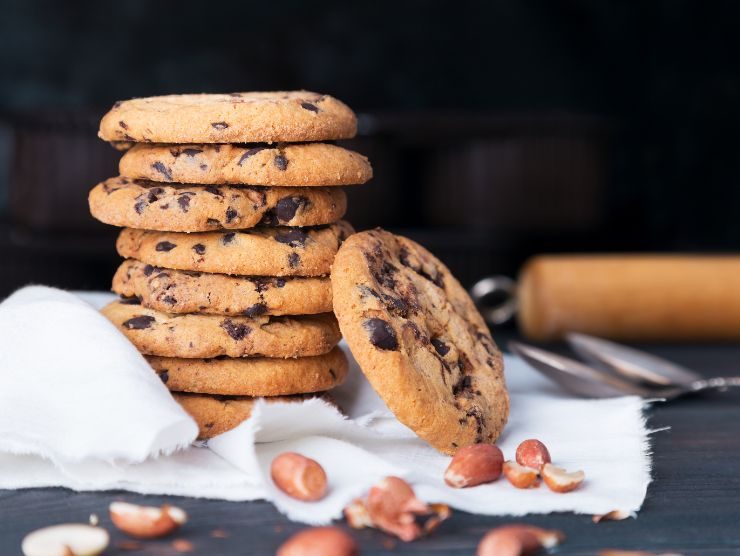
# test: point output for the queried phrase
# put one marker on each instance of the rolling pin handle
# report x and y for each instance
(500, 286)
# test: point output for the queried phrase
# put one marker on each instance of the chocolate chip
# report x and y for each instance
(130, 300)
(184, 202)
(295, 237)
(249, 153)
(154, 194)
(440, 346)
(235, 330)
(164, 206)
(122, 124)
(169, 300)
(204, 167)
(164, 376)
(219, 125)
(140, 205)
(162, 169)
(281, 162)
(165, 246)
(191, 152)
(228, 238)
(294, 260)
(255, 310)
(309, 106)
(381, 334)
(212, 222)
(139, 323)
(462, 385)
(269, 219)
(280, 282)
(199, 248)
(287, 207)
(148, 269)
(231, 214)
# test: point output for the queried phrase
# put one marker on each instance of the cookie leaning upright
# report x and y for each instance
(419, 339)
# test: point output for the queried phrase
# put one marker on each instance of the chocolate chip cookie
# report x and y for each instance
(218, 414)
(184, 291)
(149, 205)
(260, 251)
(419, 340)
(290, 116)
(252, 376)
(305, 164)
(203, 336)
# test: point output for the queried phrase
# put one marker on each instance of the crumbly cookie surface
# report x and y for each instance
(252, 376)
(277, 251)
(255, 117)
(419, 340)
(204, 336)
(306, 164)
(184, 291)
(150, 205)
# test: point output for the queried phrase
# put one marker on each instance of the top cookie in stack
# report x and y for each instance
(232, 218)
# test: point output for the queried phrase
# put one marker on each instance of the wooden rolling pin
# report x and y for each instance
(631, 297)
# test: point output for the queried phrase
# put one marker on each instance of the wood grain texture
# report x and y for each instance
(693, 504)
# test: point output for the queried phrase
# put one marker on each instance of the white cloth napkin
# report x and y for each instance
(80, 408)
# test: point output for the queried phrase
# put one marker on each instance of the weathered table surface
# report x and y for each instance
(693, 504)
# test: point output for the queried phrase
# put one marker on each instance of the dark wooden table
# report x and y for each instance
(692, 507)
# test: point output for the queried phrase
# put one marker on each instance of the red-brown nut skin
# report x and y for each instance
(319, 541)
(474, 465)
(532, 453)
(299, 477)
(516, 539)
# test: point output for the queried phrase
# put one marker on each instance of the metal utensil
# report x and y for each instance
(595, 382)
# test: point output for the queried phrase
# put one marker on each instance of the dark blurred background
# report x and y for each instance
(496, 129)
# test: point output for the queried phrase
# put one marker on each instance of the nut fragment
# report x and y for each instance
(319, 541)
(559, 480)
(146, 522)
(474, 465)
(357, 515)
(532, 453)
(68, 539)
(520, 476)
(614, 515)
(513, 540)
(299, 476)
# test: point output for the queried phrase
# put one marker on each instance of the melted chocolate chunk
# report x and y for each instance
(213, 190)
(140, 205)
(462, 385)
(148, 269)
(280, 282)
(184, 202)
(130, 300)
(249, 153)
(287, 207)
(231, 214)
(294, 260)
(199, 248)
(228, 238)
(219, 125)
(162, 169)
(295, 237)
(441, 348)
(122, 124)
(236, 331)
(154, 194)
(169, 300)
(164, 376)
(165, 246)
(139, 323)
(309, 106)
(204, 167)
(381, 334)
(281, 163)
(255, 310)
(191, 152)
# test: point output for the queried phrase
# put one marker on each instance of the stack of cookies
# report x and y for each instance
(231, 207)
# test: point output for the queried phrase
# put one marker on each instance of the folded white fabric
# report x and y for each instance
(80, 408)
